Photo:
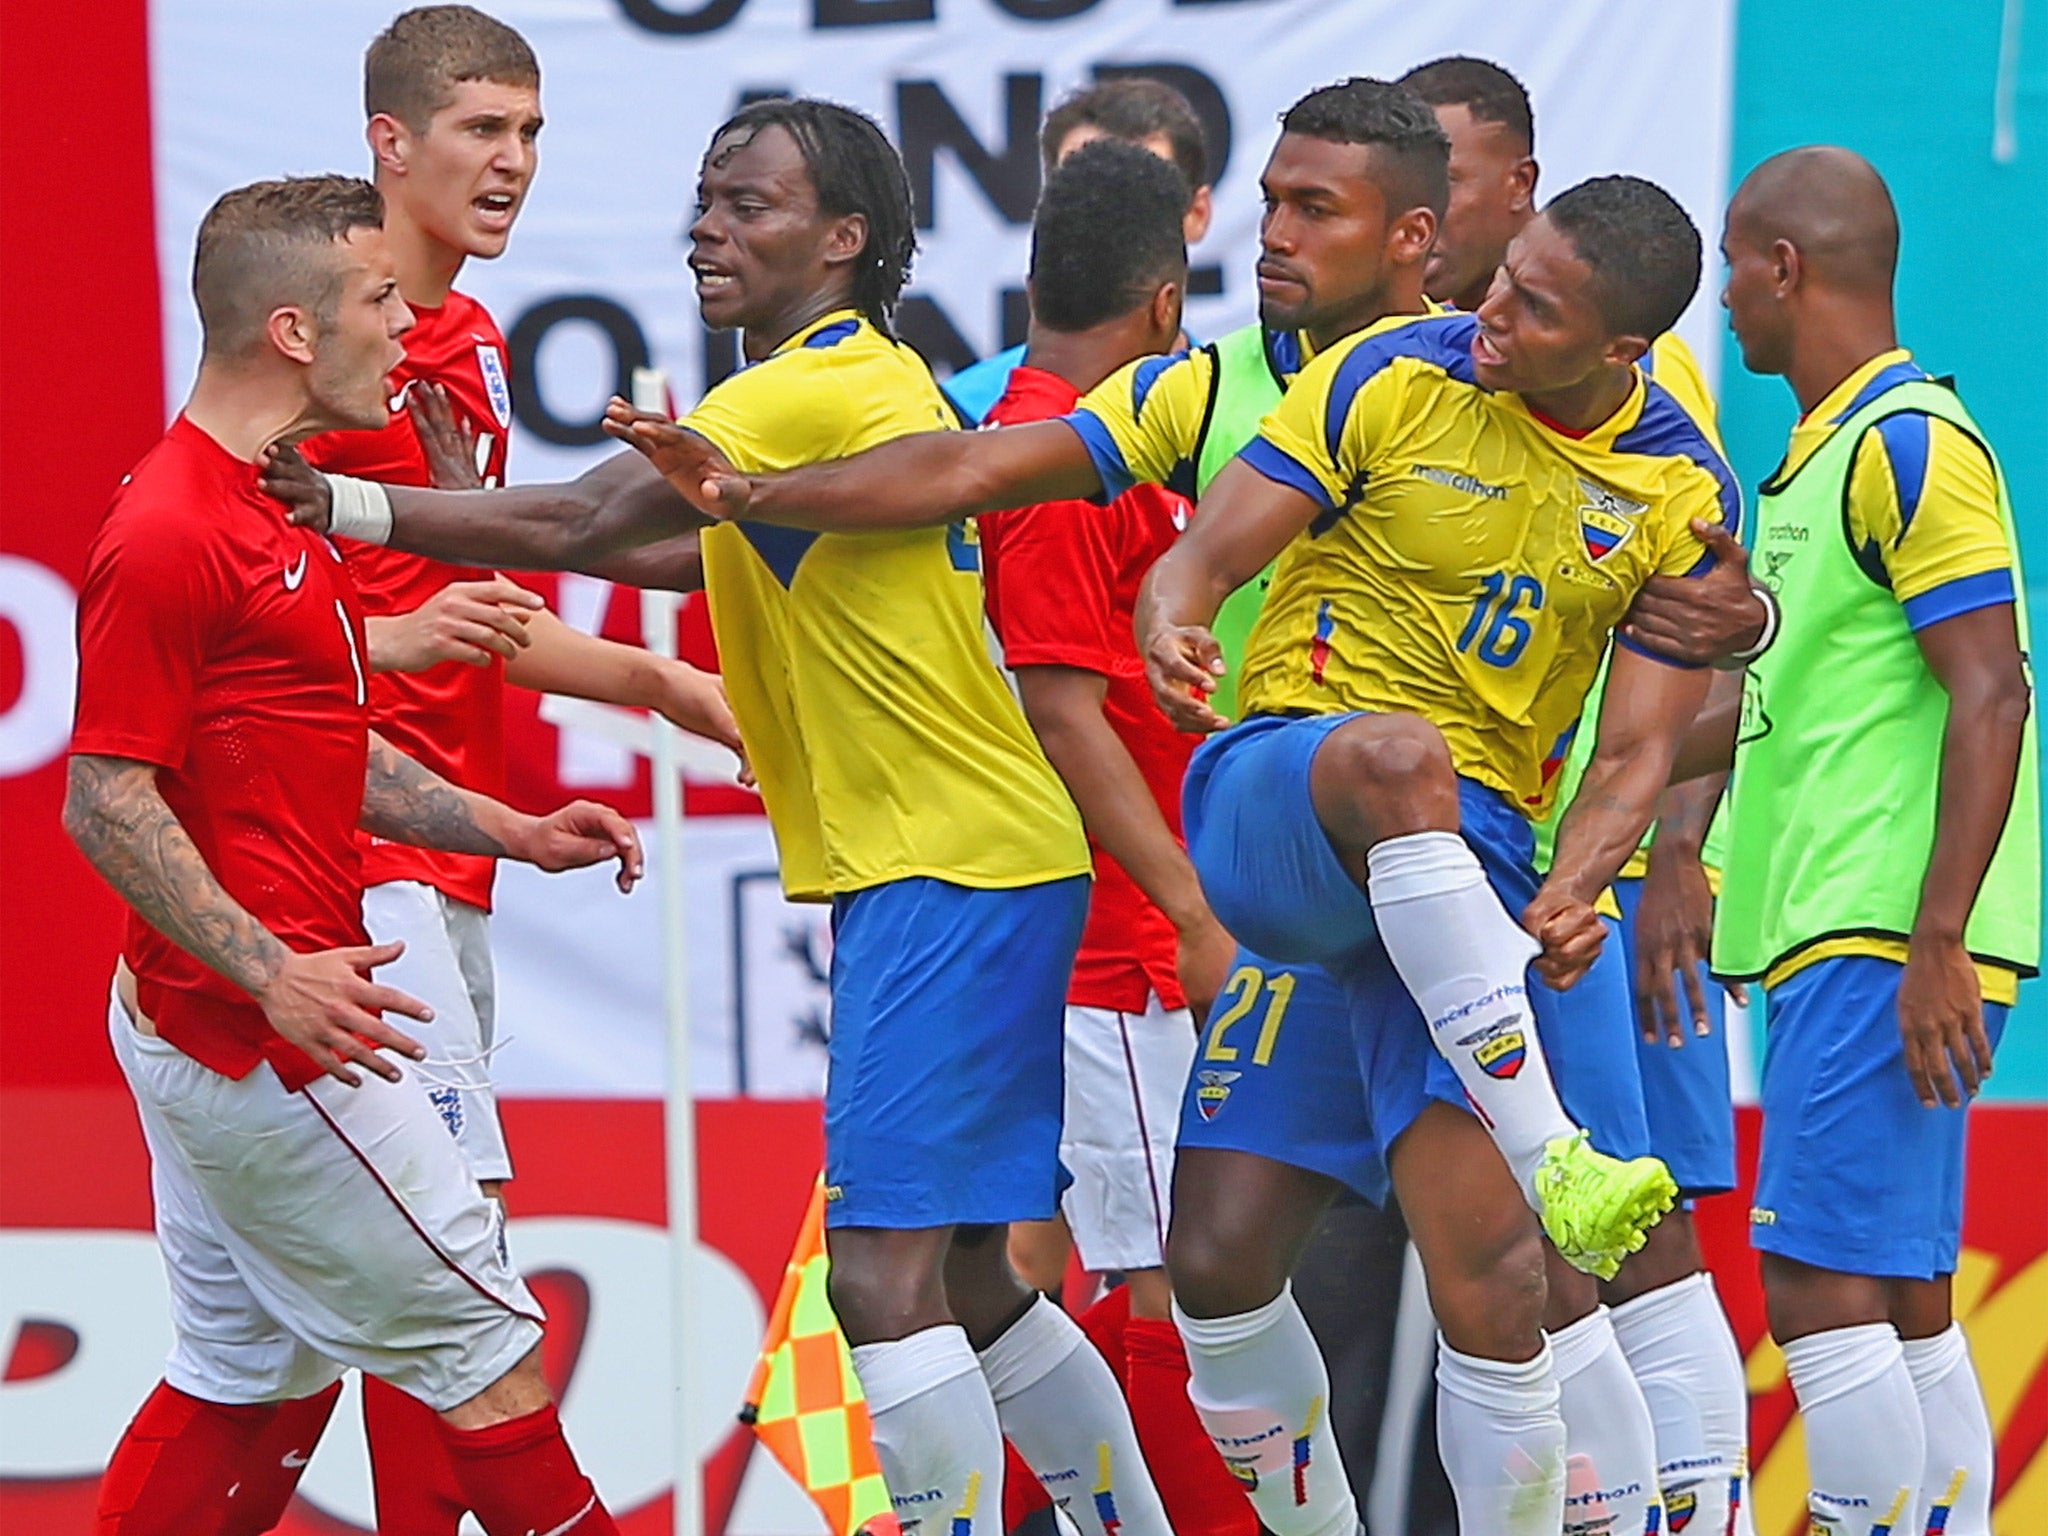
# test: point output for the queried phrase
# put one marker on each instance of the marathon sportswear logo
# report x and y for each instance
(295, 573)
(1212, 1089)
(496, 389)
(1759, 1217)
(1502, 1057)
(1457, 482)
(1465, 1010)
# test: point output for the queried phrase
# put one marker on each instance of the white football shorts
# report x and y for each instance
(304, 1232)
(1126, 1073)
(447, 964)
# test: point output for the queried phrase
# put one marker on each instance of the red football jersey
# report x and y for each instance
(226, 646)
(450, 717)
(1062, 583)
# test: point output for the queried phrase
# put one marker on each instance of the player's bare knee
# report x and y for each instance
(1492, 1309)
(1800, 1299)
(1396, 770)
(886, 1285)
(1670, 1252)
(520, 1391)
(1219, 1269)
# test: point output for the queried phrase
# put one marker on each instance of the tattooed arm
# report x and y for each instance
(407, 803)
(324, 1003)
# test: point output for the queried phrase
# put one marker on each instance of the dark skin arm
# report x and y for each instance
(1647, 709)
(1977, 660)
(1064, 706)
(919, 481)
(1700, 619)
(611, 511)
(1675, 920)
(1243, 523)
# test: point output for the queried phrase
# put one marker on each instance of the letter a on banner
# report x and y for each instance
(805, 1402)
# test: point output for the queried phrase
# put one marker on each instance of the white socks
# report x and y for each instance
(1611, 1448)
(1259, 1387)
(935, 1432)
(1503, 1443)
(1684, 1356)
(1960, 1445)
(1865, 1445)
(1060, 1405)
(1465, 961)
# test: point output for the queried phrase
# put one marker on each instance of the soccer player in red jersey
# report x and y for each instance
(1108, 268)
(453, 98)
(312, 1210)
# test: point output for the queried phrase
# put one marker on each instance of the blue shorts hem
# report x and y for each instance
(1911, 1260)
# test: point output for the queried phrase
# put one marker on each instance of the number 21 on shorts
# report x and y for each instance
(1242, 992)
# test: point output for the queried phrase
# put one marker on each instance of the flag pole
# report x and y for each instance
(658, 614)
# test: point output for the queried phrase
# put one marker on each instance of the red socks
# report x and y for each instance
(272, 1475)
(417, 1491)
(521, 1479)
(1201, 1497)
(174, 1469)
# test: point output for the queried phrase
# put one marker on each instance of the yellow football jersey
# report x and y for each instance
(1471, 559)
(886, 742)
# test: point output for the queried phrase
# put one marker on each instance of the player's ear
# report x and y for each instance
(1411, 235)
(390, 142)
(292, 330)
(1201, 209)
(1165, 313)
(1626, 349)
(1788, 266)
(848, 238)
(1523, 181)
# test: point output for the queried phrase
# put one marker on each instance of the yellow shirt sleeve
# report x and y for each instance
(1697, 495)
(1672, 363)
(788, 409)
(1323, 446)
(1143, 424)
(1923, 514)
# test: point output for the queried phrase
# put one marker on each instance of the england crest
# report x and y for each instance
(492, 367)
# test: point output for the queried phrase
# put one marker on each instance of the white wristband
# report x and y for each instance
(1773, 617)
(359, 509)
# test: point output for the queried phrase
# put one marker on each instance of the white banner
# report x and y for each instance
(595, 282)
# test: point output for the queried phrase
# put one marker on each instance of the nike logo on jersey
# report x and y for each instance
(295, 573)
(567, 1525)
(294, 1460)
(398, 400)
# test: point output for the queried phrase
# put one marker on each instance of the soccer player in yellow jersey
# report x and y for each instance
(1467, 505)
(906, 788)
(1690, 1417)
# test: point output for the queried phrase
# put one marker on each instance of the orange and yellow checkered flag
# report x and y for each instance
(805, 1403)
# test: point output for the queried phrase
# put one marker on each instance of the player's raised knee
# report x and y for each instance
(1489, 1299)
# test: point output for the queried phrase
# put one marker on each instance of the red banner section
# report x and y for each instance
(85, 1327)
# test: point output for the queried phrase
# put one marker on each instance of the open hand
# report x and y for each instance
(1203, 952)
(1570, 932)
(466, 621)
(1941, 1021)
(448, 441)
(326, 1005)
(302, 488)
(1182, 663)
(579, 834)
(1700, 619)
(700, 474)
(1674, 935)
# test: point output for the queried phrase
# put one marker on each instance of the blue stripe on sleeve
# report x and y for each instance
(1665, 431)
(1282, 467)
(1643, 650)
(1908, 445)
(1966, 594)
(1145, 376)
(1101, 445)
(1444, 342)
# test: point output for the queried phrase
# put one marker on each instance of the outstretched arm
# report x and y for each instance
(919, 481)
(618, 506)
(1243, 523)
(564, 660)
(324, 1003)
(407, 803)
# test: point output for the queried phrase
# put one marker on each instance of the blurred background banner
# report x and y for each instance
(125, 119)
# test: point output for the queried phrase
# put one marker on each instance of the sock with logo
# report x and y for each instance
(521, 1479)
(1955, 1490)
(1260, 1388)
(1201, 1497)
(935, 1432)
(278, 1463)
(1059, 1404)
(179, 1463)
(1465, 962)
(1502, 1441)
(1684, 1357)
(1610, 1444)
(417, 1490)
(1863, 1429)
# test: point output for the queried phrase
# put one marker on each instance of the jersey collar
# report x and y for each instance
(840, 323)
(1842, 402)
(1601, 436)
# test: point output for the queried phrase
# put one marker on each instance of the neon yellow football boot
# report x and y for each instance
(1596, 1208)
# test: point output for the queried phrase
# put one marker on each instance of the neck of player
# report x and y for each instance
(1401, 294)
(1085, 358)
(427, 265)
(1837, 336)
(758, 340)
(1583, 406)
(246, 408)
